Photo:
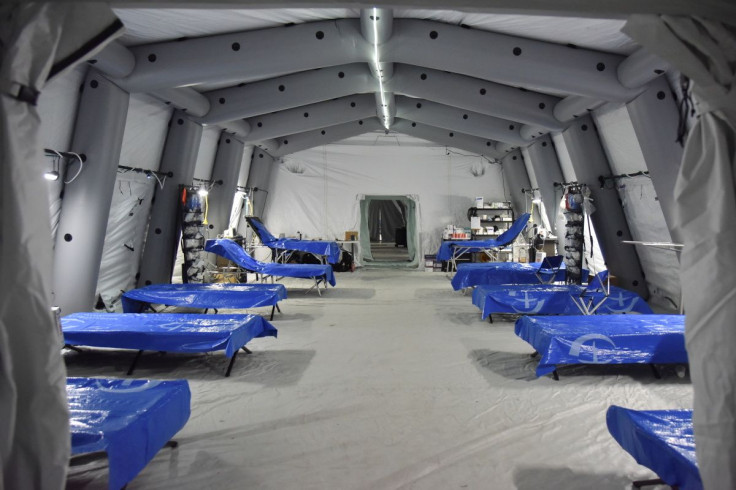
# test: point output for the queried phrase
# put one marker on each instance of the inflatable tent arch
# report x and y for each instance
(188, 110)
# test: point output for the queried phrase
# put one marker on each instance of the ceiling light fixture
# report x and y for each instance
(379, 72)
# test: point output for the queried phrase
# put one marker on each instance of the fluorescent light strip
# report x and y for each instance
(378, 68)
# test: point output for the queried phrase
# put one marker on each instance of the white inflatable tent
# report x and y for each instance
(317, 109)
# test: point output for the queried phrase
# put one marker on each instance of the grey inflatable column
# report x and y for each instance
(589, 161)
(258, 179)
(654, 117)
(226, 169)
(98, 137)
(547, 171)
(514, 171)
(162, 241)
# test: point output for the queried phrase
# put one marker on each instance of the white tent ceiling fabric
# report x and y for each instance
(153, 25)
(321, 201)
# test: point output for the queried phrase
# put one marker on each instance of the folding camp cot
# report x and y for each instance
(125, 420)
(597, 297)
(204, 296)
(453, 250)
(321, 273)
(165, 332)
(285, 247)
(661, 440)
(604, 339)
(551, 269)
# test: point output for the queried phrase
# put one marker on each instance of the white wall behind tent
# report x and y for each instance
(317, 191)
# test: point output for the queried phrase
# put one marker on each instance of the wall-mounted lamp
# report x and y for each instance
(202, 191)
(53, 174)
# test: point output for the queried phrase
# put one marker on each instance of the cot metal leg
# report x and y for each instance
(648, 483)
(135, 361)
(230, 366)
(273, 308)
(490, 318)
(555, 376)
(246, 350)
(277, 307)
(655, 371)
(172, 444)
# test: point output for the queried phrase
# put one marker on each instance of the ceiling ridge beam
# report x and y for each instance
(309, 139)
(448, 138)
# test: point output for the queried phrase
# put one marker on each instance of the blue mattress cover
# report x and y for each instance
(318, 247)
(469, 275)
(232, 251)
(170, 332)
(551, 300)
(505, 238)
(661, 440)
(604, 339)
(130, 419)
(204, 296)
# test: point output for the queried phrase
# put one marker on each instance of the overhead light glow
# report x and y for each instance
(203, 192)
(53, 175)
(384, 105)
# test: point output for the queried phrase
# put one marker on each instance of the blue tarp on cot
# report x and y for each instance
(505, 238)
(317, 247)
(604, 339)
(204, 296)
(170, 332)
(661, 440)
(469, 275)
(551, 300)
(234, 252)
(129, 419)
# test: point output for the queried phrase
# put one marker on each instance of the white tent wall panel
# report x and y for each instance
(641, 207)
(317, 191)
(57, 108)
(126, 227)
(145, 132)
(619, 139)
(207, 150)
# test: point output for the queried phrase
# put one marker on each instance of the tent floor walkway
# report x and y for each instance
(391, 381)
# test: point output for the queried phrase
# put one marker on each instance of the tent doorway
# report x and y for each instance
(388, 230)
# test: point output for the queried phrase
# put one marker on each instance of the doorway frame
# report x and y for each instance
(412, 230)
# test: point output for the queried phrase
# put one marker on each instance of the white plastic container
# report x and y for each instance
(478, 202)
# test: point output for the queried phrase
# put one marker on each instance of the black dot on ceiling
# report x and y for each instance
(513, 158)
(544, 143)
(341, 75)
(157, 231)
(635, 282)
(619, 233)
(511, 127)
(465, 116)
(660, 95)
(180, 121)
(227, 141)
(433, 35)
(306, 114)
(600, 66)
(423, 76)
(360, 122)
(584, 127)
(319, 35)
(84, 157)
(68, 237)
(260, 155)
(419, 105)
(286, 142)
(517, 51)
(452, 134)
(236, 46)
(260, 124)
(94, 83)
(221, 100)
(281, 88)
(488, 143)
(542, 105)
(352, 104)
(323, 131)
(658, 71)
(152, 57)
(482, 91)
(413, 125)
